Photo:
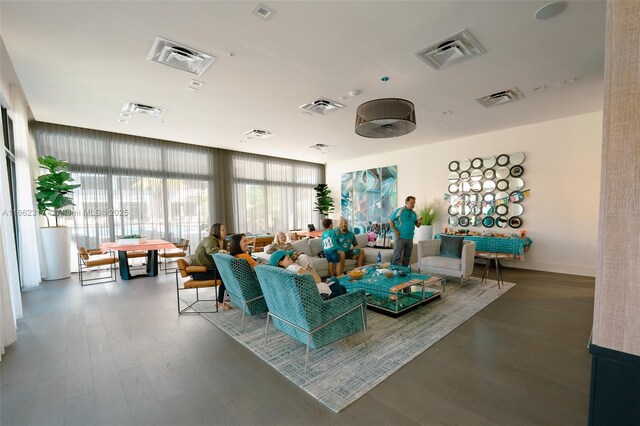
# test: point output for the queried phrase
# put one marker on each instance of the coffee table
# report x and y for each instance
(396, 295)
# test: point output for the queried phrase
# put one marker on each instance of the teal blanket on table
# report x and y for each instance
(513, 246)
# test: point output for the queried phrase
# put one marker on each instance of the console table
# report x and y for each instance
(515, 247)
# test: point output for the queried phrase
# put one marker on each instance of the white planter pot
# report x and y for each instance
(425, 232)
(55, 244)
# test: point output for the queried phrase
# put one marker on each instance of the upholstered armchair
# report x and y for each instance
(93, 258)
(430, 261)
(185, 271)
(298, 309)
(241, 283)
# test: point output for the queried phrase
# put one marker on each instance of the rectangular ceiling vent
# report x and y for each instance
(501, 98)
(264, 12)
(319, 147)
(176, 55)
(321, 106)
(135, 108)
(450, 50)
(257, 134)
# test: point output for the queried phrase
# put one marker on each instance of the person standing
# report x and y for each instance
(330, 246)
(403, 221)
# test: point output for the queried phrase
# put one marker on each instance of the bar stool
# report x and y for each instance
(495, 257)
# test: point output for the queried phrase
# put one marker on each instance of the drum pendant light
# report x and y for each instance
(385, 118)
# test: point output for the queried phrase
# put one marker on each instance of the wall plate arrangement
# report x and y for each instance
(487, 191)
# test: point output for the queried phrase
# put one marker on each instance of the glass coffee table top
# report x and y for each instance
(398, 293)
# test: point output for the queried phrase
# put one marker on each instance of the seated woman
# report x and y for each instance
(331, 288)
(214, 243)
(280, 243)
(239, 247)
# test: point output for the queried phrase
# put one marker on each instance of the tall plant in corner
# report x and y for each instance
(324, 202)
(53, 188)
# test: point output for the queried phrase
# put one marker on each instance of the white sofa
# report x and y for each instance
(313, 246)
(430, 261)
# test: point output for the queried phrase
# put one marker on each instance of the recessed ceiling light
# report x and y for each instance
(191, 89)
(449, 112)
(573, 80)
(550, 10)
(124, 114)
(540, 88)
(122, 121)
(354, 92)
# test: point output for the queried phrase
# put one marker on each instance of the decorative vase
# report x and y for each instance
(55, 244)
(425, 232)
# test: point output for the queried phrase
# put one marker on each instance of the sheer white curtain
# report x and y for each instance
(10, 299)
(25, 152)
(273, 194)
(132, 185)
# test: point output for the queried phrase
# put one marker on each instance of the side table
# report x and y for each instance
(495, 257)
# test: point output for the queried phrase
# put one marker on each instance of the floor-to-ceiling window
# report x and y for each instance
(10, 158)
(272, 194)
(132, 186)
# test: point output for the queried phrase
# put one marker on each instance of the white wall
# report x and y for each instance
(562, 169)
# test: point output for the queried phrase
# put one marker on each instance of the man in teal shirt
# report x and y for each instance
(403, 221)
(345, 239)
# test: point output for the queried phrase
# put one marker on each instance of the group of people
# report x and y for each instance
(339, 244)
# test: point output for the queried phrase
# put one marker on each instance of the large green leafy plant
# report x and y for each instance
(53, 188)
(324, 202)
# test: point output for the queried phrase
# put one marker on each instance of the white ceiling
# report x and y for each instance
(79, 62)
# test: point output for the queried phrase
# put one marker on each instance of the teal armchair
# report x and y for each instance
(241, 283)
(297, 309)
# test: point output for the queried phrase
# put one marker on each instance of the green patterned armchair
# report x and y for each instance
(241, 283)
(297, 309)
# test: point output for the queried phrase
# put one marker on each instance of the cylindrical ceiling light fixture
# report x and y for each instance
(385, 118)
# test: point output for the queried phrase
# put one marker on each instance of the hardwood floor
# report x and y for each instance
(118, 353)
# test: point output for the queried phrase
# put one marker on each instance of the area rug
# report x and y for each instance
(340, 373)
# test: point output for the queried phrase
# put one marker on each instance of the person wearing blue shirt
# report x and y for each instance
(403, 221)
(330, 247)
(346, 239)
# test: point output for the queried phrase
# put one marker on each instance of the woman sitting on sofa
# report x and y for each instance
(239, 247)
(280, 243)
(331, 288)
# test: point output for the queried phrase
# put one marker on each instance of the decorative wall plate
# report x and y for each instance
(475, 221)
(502, 209)
(453, 210)
(488, 222)
(464, 176)
(488, 210)
(489, 162)
(464, 211)
(489, 185)
(516, 197)
(465, 164)
(454, 166)
(453, 200)
(476, 187)
(516, 209)
(517, 158)
(453, 188)
(453, 221)
(515, 222)
(476, 163)
(517, 171)
(489, 174)
(502, 184)
(454, 177)
(476, 209)
(463, 221)
(465, 187)
(502, 172)
(488, 198)
(502, 160)
(502, 222)
(476, 175)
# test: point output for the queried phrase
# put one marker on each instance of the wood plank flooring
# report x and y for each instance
(118, 353)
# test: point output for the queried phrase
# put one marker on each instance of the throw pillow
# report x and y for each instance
(451, 246)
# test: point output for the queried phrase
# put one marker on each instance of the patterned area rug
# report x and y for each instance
(340, 373)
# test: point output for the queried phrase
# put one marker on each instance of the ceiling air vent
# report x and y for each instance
(179, 56)
(320, 147)
(450, 50)
(135, 108)
(501, 98)
(264, 12)
(257, 134)
(321, 106)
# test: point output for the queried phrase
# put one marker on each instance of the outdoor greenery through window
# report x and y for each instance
(158, 189)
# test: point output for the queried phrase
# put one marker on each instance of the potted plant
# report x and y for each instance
(52, 195)
(429, 212)
(324, 202)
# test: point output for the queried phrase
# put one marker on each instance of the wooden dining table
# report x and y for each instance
(150, 246)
